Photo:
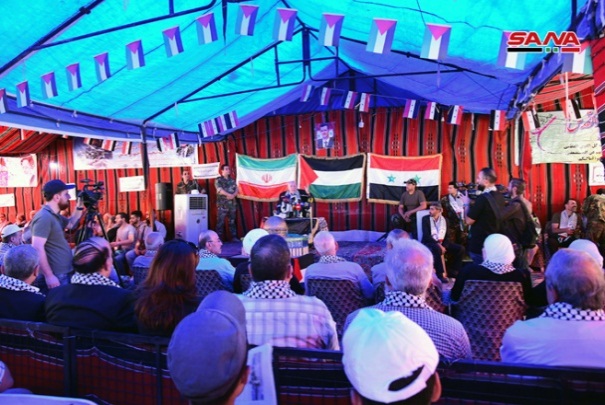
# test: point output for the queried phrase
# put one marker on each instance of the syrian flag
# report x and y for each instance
(412, 107)
(306, 93)
(513, 60)
(381, 35)
(364, 102)
(126, 148)
(578, 62)
(135, 58)
(227, 121)
(436, 41)
(329, 30)
(102, 66)
(572, 110)
(49, 85)
(332, 179)
(108, 145)
(497, 120)
(172, 41)
(74, 80)
(264, 179)
(206, 29)
(530, 120)
(455, 115)
(325, 96)
(350, 100)
(284, 24)
(23, 99)
(169, 142)
(387, 176)
(246, 20)
(431, 112)
(3, 101)
(207, 128)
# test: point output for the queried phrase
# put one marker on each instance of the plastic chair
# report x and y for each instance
(208, 281)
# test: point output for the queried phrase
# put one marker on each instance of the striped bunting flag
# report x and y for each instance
(513, 60)
(325, 96)
(530, 120)
(169, 142)
(432, 111)
(412, 107)
(23, 99)
(572, 109)
(126, 148)
(284, 24)
(135, 58)
(74, 80)
(246, 20)
(306, 93)
(329, 30)
(172, 41)
(102, 66)
(497, 120)
(264, 179)
(332, 179)
(206, 29)
(3, 101)
(455, 115)
(227, 121)
(436, 41)
(578, 62)
(364, 102)
(381, 35)
(386, 176)
(49, 85)
(350, 99)
(108, 145)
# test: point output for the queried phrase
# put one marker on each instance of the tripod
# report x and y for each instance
(87, 230)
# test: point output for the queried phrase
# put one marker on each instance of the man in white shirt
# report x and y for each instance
(571, 331)
(563, 227)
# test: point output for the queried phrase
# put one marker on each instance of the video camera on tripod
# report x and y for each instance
(91, 193)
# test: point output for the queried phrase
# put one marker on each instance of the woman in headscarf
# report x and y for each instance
(497, 265)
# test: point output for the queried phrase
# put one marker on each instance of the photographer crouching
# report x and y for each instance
(48, 237)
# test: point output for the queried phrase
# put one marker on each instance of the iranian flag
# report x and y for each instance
(387, 176)
(332, 179)
(264, 179)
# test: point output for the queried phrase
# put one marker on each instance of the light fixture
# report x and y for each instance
(53, 166)
(361, 124)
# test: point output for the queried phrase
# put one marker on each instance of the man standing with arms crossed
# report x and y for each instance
(226, 191)
(48, 237)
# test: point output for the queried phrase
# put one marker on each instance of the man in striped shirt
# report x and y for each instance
(274, 313)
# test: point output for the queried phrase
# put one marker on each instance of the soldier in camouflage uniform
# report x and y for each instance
(226, 191)
(594, 211)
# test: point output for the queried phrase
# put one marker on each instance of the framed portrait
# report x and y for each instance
(324, 135)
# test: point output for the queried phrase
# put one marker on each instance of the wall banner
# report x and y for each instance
(19, 171)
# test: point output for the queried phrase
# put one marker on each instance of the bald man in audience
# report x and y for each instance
(211, 246)
(331, 266)
(379, 270)
(571, 331)
(153, 241)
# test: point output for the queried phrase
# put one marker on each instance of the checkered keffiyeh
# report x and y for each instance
(331, 259)
(272, 289)
(92, 279)
(402, 299)
(566, 312)
(9, 283)
(498, 268)
(206, 254)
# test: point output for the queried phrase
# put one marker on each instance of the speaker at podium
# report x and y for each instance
(190, 216)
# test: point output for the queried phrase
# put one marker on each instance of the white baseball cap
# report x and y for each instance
(386, 356)
(11, 229)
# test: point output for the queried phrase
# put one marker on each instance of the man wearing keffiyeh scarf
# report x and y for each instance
(571, 332)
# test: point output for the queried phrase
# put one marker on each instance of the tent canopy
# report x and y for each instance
(257, 75)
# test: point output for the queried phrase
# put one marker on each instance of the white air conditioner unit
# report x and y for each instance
(190, 216)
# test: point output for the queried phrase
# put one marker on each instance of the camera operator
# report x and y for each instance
(453, 206)
(48, 237)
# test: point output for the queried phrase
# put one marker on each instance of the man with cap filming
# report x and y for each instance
(48, 237)
(208, 351)
(412, 201)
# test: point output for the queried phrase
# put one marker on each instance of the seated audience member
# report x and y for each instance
(276, 226)
(379, 270)
(243, 268)
(390, 360)
(142, 230)
(157, 225)
(111, 226)
(409, 267)
(564, 226)
(20, 300)
(4, 222)
(210, 247)
(92, 300)
(208, 351)
(153, 241)
(497, 265)
(11, 237)
(125, 241)
(334, 267)
(20, 220)
(453, 209)
(571, 331)
(168, 294)
(274, 313)
(435, 237)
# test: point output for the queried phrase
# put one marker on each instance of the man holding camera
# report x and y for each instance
(48, 237)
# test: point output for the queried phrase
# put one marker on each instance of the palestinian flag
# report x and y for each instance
(387, 176)
(264, 179)
(332, 179)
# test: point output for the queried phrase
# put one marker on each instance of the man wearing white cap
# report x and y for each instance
(11, 237)
(388, 358)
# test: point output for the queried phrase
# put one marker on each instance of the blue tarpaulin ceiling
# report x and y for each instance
(257, 75)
